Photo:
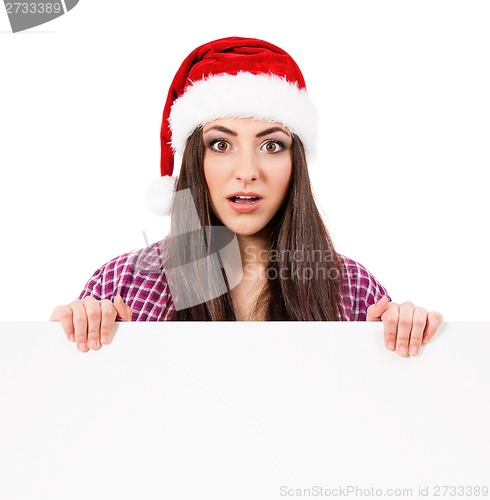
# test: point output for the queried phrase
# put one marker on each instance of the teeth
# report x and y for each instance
(245, 197)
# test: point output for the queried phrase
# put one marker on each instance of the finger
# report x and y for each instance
(107, 323)
(80, 324)
(64, 315)
(124, 312)
(418, 327)
(405, 320)
(92, 308)
(376, 310)
(434, 321)
(390, 322)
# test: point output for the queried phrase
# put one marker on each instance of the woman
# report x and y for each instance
(247, 241)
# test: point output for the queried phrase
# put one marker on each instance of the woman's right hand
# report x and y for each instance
(90, 322)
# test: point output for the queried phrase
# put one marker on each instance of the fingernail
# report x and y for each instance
(391, 345)
(425, 340)
(402, 350)
(92, 343)
(104, 339)
(72, 337)
(413, 350)
(82, 346)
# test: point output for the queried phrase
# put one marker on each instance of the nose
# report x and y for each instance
(247, 167)
(246, 177)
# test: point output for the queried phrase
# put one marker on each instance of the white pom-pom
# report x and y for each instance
(160, 194)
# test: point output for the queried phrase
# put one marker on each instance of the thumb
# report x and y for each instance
(375, 311)
(124, 312)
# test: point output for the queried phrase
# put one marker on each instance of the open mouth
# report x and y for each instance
(244, 200)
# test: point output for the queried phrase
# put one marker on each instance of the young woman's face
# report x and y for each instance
(245, 157)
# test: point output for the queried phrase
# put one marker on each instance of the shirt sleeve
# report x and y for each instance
(360, 289)
(92, 288)
(105, 283)
(138, 277)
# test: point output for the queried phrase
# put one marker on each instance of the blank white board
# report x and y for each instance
(242, 411)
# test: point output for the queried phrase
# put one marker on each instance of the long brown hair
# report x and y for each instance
(303, 270)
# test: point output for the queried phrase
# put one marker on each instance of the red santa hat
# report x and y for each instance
(230, 77)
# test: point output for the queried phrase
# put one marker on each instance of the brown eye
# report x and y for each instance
(273, 147)
(220, 145)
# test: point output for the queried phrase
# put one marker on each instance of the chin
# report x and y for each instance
(245, 229)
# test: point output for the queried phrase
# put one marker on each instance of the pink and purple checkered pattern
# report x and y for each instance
(137, 276)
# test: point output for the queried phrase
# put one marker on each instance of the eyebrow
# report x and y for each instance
(226, 130)
(271, 131)
(219, 128)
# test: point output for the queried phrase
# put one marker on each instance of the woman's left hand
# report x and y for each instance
(405, 325)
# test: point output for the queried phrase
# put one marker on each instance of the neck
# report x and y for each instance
(253, 248)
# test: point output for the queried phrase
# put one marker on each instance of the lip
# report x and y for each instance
(242, 208)
(242, 193)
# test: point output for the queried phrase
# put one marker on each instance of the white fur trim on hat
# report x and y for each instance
(159, 195)
(245, 95)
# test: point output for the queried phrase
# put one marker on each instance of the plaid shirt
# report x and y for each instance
(138, 277)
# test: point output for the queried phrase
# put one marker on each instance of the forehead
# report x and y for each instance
(245, 125)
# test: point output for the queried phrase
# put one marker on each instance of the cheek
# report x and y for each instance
(281, 180)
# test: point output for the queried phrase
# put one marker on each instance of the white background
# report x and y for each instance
(402, 92)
